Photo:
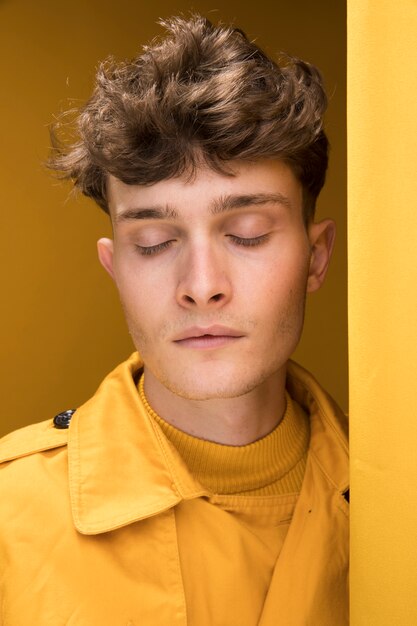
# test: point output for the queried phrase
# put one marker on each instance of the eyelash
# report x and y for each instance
(240, 241)
(250, 241)
(149, 250)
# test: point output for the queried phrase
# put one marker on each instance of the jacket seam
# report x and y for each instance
(341, 504)
(14, 457)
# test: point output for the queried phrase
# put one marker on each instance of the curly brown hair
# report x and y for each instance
(203, 91)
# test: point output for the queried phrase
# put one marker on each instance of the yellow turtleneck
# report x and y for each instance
(254, 490)
(272, 465)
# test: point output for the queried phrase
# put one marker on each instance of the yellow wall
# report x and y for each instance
(61, 326)
(382, 127)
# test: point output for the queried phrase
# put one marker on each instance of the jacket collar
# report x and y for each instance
(328, 424)
(121, 467)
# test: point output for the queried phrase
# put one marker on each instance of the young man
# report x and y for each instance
(206, 481)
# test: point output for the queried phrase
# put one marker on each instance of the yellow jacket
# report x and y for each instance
(87, 521)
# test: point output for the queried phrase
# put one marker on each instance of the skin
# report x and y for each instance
(213, 273)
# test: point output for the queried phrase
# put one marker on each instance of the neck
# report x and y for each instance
(229, 421)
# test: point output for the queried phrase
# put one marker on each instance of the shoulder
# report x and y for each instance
(33, 478)
(46, 435)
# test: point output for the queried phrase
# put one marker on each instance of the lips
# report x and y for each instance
(198, 332)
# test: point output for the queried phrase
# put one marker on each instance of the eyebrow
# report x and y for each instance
(147, 213)
(220, 205)
(229, 203)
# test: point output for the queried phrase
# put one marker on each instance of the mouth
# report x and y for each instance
(206, 338)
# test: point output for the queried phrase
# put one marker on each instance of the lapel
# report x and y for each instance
(310, 579)
(121, 468)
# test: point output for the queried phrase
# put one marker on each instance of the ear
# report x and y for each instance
(321, 236)
(105, 254)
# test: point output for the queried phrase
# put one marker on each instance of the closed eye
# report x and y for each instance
(249, 241)
(149, 250)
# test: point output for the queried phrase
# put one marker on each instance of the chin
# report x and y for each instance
(219, 386)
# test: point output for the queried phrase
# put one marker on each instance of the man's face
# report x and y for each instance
(212, 273)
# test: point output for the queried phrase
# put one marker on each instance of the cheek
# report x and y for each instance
(133, 284)
(283, 278)
(284, 296)
(146, 307)
(134, 298)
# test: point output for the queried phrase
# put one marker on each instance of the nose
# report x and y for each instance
(204, 282)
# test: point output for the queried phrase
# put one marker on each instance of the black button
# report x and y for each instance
(62, 420)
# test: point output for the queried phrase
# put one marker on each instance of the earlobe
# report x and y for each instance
(105, 254)
(322, 237)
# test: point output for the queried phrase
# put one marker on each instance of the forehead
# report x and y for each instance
(209, 191)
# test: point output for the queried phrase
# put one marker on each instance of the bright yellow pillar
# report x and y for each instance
(382, 158)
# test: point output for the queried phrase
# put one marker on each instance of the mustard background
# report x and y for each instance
(61, 325)
(382, 131)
